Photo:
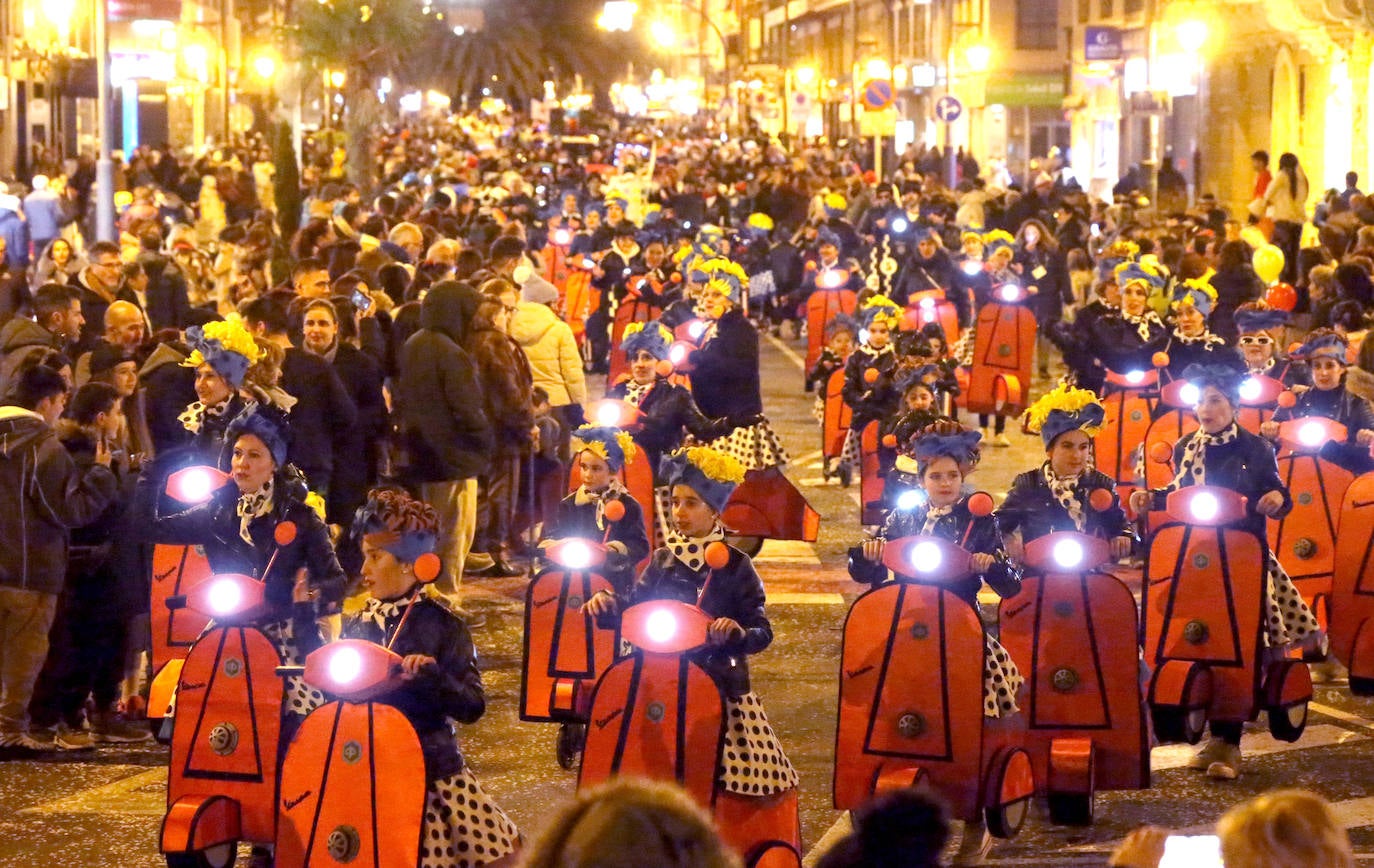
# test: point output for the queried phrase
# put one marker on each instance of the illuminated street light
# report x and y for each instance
(337, 77)
(617, 15)
(805, 75)
(1192, 35)
(878, 69)
(979, 56)
(265, 65)
(663, 34)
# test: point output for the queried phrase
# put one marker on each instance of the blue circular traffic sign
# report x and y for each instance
(948, 109)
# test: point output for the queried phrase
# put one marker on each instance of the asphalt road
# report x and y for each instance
(104, 808)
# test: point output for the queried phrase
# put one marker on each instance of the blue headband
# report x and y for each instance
(649, 339)
(1224, 379)
(1134, 271)
(268, 424)
(232, 366)
(1329, 345)
(1061, 421)
(962, 447)
(607, 438)
(1250, 321)
(676, 469)
(826, 235)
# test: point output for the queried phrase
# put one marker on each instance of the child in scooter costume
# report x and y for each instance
(462, 825)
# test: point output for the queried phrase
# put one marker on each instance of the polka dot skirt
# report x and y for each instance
(300, 698)
(1001, 680)
(463, 827)
(752, 762)
(757, 447)
(818, 409)
(849, 452)
(663, 511)
(1288, 619)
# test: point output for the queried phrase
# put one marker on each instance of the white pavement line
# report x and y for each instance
(117, 797)
(1176, 756)
(1348, 717)
(790, 353)
(832, 836)
(807, 458)
(805, 598)
(781, 551)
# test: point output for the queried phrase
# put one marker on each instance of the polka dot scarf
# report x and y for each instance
(876, 353)
(584, 496)
(691, 551)
(1205, 339)
(1192, 469)
(379, 612)
(635, 392)
(933, 516)
(193, 417)
(1065, 491)
(1144, 324)
(252, 505)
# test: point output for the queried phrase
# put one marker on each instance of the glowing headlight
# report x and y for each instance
(1135, 377)
(972, 268)
(677, 354)
(910, 499)
(588, 262)
(225, 597)
(832, 279)
(607, 415)
(196, 486)
(576, 555)
(926, 557)
(661, 626)
(1204, 507)
(1249, 389)
(1311, 434)
(899, 225)
(863, 336)
(927, 304)
(696, 330)
(562, 237)
(1009, 293)
(1068, 553)
(1190, 394)
(345, 665)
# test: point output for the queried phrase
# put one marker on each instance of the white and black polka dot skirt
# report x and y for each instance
(299, 698)
(757, 447)
(849, 452)
(463, 827)
(752, 762)
(1001, 680)
(1288, 619)
(663, 514)
(818, 410)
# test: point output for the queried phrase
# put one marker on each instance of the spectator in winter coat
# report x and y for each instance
(443, 425)
(15, 232)
(45, 496)
(57, 322)
(45, 214)
(551, 350)
(98, 285)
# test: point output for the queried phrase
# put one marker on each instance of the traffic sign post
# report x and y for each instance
(948, 109)
(877, 96)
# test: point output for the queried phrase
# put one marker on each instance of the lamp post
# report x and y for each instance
(104, 166)
(1192, 37)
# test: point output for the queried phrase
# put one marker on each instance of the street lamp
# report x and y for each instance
(1191, 35)
(617, 16)
(979, 57)
(804, 75)
(663, 34)
(265, 65)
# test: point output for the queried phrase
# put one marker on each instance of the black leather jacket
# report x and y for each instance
(1032, 508)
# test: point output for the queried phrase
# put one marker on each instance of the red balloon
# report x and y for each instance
(980, 504)
(1287, 400)
(1101, 499)
(1281, 296)
(614, 510)
(717, 555)
(871, 375)
(1160, 360)
(1161, 452)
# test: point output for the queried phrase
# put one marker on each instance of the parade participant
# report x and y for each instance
(1261, 328)
(725, 372)
(612, 275)
(871, 396)
(702, 480)
(600, 454)
(668, 411)
(462, 825)
(971, 281)
(935, 463)
(221, 353)
(1191, 342)
(998, 269)
(1072, 338)
(840, 334)
(930, 267)
(236, 527)
(1128, 341)
(1325, 353)
(1222, 453)
(826, 269)
(1056, 496)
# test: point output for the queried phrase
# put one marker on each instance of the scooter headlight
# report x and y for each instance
(1068, 553)
(608, 415)
(1190, 394)
(225, 597)
(910, 499)
(899, 225)
(661, 626)
(1250, 389)
(1204, 507)
(926, 557)
(1009, 293)
(1311, 434)
(696, 329)
(1135, 378)
(345, 665)
(576, 555)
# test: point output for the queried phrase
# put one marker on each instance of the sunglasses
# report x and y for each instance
(1255, 341)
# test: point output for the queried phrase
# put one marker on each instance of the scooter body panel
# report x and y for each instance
(176, 569)
(1004, 345)
(871, 481)
(766, 504)
(1304, 540)
(838, 415)
(821, 308)
(565, 650)
(1352, 592)
(1125, 426)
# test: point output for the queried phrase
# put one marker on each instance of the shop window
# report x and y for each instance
(1037, 24)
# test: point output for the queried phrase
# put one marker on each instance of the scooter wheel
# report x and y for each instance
(1071, 809)
(1176, 725)
(1361, 686)
(571, 738)
(846, 477)
(750, 545)
(218, 856)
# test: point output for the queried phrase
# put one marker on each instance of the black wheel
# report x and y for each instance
(219, 856)
(1320, 653)
(1287, 723)
(1007, 793)
(1173, 724)
(1361, 686)
(1071, 809)
(571, 738)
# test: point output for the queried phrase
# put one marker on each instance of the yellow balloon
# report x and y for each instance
(1268, 262)
(1253, 236)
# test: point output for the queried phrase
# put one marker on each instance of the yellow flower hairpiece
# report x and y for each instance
(998, 235)
(315, 502)
(635, 328)
(233, 336)
(1062, 397)
(627, 445)
(835, 201)
(716, 465)
(722, 266)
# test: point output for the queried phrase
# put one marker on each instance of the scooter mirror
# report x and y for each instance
(427, 567)
(614, 510)
(285, 533)
(980, 504)
(1161, 452)
(195, 484)
(1160, 360)
(717, 555)
(663, 368)
(1101, 499)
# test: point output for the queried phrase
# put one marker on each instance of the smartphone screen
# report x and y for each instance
(1191, 851)
(361, 300)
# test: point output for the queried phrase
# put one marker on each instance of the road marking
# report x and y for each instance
(144, 794)
(808, 459)
(805, 598)
(782, 551)
(1348, 717)
(1176, 756)
(832, 836)
(790, 353)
